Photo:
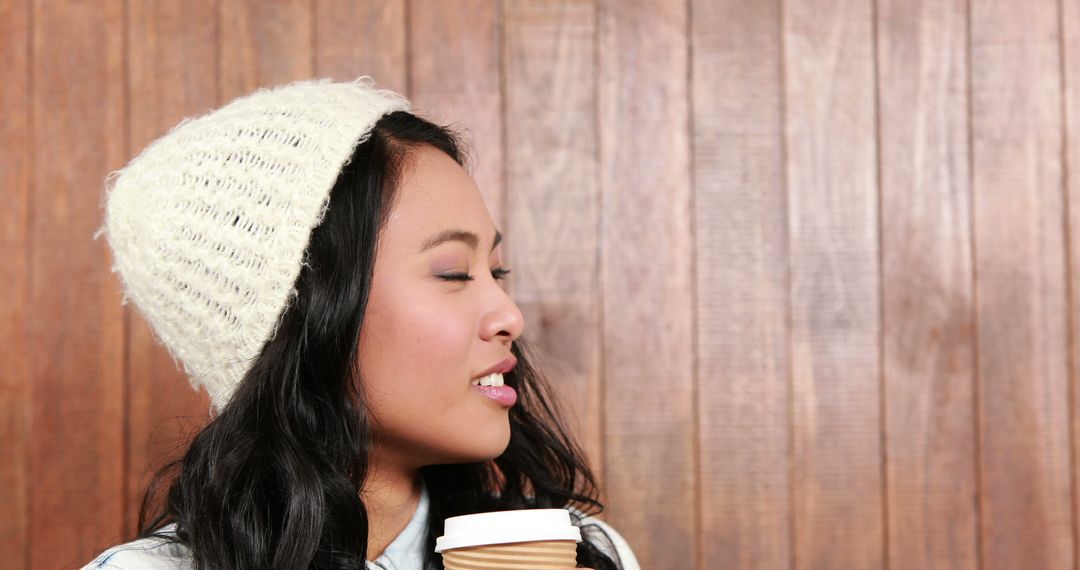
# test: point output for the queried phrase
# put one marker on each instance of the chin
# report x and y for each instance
(490, 448)
(494, 450)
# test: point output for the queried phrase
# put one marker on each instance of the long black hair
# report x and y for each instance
(274, 479)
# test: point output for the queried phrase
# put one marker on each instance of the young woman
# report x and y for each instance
(320, 262)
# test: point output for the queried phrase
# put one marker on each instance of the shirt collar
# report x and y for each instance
(406, 551)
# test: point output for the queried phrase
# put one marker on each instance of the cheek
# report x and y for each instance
(427, 328)
(415, 344)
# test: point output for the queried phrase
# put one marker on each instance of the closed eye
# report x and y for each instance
(497, 273)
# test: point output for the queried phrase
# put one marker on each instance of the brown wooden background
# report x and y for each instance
(808, 270)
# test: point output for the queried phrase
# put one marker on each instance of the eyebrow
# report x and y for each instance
(454, 234)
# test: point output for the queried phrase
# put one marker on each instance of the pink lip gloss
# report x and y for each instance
(504, 395)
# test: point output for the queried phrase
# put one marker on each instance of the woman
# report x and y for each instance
(320, 262)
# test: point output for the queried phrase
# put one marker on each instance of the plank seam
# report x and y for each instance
(883, 436)
(788, 320)
(695, 347)
(31, 165)
(504, 147)
(408, 48)
(219, 78)
(598, 156)
(973, 252)
(125, 312)
(1070, 381)
(313, 30)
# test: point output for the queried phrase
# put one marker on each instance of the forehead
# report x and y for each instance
(434, 194)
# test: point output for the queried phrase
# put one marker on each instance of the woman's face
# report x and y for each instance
(425, 338)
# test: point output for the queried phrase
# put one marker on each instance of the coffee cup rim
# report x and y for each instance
(507, 527)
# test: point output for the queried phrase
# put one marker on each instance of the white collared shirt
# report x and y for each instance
(405, 552)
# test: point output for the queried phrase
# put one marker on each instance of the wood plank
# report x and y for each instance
(77, 333)
(362, 38)
(1020, 285)
(646, 280)
(553, 209)
(835, 305)
(264, 44)
(172, 44)
(1070, 29)
(927, 285)
(742, 251)
(14, 248)
(454, 79)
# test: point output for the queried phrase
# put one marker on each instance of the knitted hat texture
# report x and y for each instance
(208, 225)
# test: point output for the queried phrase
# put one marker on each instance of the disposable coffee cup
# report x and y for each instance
(533, 539)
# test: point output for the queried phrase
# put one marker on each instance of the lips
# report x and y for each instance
(501, 367)
(493, 386)
(503, 395)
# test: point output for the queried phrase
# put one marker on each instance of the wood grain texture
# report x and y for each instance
(552, 207)
(835, 305)
(172, 46)
(646, 256)
(77, 329)
(362, 38)
(454, 79)
(1020, 285)
(742, 295)
(264, 44)
(691, 192)
(927, 285)
(1070, 29)
(14, 246)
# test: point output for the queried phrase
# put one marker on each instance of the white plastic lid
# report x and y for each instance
(503, 527)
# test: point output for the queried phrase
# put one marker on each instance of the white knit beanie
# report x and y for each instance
(209, 224)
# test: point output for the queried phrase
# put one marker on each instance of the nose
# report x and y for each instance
(503, 318)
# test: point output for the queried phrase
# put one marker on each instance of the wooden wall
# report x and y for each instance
(807, 270)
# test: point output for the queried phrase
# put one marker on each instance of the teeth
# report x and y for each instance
(489, 380)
